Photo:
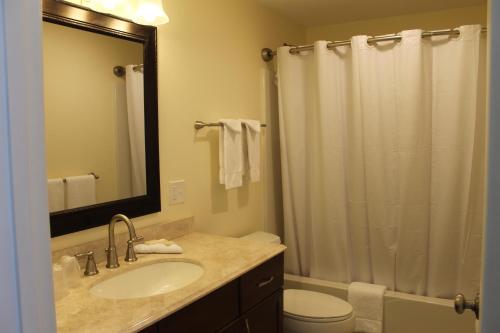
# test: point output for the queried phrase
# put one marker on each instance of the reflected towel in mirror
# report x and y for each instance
(56, 194)
(80, 191)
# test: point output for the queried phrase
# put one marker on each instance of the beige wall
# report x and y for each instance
(81, 114)
(428, 21)
(210, 68)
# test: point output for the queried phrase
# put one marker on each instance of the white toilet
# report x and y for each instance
(312, 312)
(308, 311)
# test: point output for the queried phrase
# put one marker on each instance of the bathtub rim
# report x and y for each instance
(389, 294)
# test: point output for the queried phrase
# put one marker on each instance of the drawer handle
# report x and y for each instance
(247, 324)
(265, 283)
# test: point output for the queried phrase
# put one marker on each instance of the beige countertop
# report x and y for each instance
(222, 258)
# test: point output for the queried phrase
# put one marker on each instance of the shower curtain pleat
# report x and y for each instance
(383, 161)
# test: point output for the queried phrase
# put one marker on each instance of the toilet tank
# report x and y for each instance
(263, 237)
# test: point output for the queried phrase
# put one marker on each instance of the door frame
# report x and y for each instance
(490, 294)
(27, 303)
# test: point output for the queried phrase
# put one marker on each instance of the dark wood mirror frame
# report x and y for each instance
(78, 219)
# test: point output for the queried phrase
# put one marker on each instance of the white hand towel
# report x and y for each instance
(368, 303)
(56, 195)
(252, 136)
(158, 246)
(80, 191)
(230, 153)
(159, 241)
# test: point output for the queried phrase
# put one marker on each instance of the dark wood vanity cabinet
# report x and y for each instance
(249, 304)
(266, 317)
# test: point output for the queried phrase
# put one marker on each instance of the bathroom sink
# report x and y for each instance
(150, 280)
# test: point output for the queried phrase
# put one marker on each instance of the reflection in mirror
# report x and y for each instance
(94, 117)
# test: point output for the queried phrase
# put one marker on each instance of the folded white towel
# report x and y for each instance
(230, 154)
(80, 191)
(252, 136)
(159, 241)
(368, 303)
(56, 195)
(158, 246)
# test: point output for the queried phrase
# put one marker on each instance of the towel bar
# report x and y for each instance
(90, 173)
(201, 124)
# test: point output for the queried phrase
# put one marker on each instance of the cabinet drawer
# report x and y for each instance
(261, 282)
(209, 314)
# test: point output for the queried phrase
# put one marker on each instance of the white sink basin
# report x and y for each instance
(150, 280)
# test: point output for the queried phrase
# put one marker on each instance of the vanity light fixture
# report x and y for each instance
(150, 12)
(145, 12)
(106, 6)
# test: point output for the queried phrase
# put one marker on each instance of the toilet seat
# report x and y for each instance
(310, 306)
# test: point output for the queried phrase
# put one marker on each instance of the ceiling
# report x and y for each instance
(320, 12)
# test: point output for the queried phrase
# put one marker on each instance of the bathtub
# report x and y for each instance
(403, 313)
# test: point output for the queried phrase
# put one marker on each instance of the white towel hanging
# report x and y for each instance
(252, 136)
(368, 303)
(230, 153)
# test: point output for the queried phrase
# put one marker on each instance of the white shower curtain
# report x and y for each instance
(383, 157)
(135, 110)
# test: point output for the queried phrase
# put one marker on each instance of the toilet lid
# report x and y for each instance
(263, 237)
(314, 305)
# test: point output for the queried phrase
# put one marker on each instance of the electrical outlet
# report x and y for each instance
(176, 192)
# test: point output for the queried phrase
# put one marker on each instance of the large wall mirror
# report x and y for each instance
(101, 117)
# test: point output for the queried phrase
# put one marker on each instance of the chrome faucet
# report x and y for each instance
(112, 257)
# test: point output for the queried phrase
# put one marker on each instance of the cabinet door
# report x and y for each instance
(151, 329)
(207, 315)
(236, 327)
(266, 317)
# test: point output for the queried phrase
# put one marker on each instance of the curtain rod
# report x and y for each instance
(267, 54)
(201, 124)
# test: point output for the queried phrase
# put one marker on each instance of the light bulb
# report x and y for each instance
(106, 6)
(126, 9)
(150, 12)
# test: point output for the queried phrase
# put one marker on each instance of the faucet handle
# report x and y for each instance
(90, 267)
(130, 256)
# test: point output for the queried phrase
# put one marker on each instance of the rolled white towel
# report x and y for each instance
(160, 246)
(159, 241)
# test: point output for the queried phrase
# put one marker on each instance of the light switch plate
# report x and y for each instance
(176, 192)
